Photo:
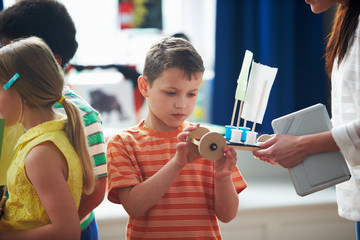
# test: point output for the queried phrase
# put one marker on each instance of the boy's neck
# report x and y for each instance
(158, 127)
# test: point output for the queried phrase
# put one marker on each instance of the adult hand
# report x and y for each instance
(285, 150)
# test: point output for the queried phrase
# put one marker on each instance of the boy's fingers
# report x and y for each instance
(182, 136)
(231, 151)
(192, 127)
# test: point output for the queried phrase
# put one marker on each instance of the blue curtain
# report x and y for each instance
(282, 34)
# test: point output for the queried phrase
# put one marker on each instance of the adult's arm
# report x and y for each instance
(347, 137)
(288, 151)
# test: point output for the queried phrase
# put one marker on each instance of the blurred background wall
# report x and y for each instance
(282, 34)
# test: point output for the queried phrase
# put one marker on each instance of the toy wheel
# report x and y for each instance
(211, 146)
(195, 136)
(264, 138)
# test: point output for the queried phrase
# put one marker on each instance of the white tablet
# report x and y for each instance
(318, 171)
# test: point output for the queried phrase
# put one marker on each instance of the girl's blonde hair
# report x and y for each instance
(41, 83)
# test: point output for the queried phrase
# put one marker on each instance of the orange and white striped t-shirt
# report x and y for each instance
(186, 210)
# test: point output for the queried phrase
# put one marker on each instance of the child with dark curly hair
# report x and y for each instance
(50, 20)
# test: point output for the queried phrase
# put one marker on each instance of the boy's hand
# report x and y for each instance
(183, 155)
(225, 165)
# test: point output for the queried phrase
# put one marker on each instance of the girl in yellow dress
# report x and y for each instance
(52, 166)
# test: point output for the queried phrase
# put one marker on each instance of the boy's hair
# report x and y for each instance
(172, 52)
(46, 19)
(40, 83)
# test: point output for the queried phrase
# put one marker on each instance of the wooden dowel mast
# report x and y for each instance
(234, 111)
(239, 116)
(253, 128)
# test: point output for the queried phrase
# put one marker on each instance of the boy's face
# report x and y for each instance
(171, 99)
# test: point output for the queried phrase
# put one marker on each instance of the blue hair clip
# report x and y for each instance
(11, 81)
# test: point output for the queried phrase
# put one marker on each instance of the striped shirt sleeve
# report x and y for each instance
(93, 131)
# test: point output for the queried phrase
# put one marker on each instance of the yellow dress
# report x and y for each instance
(23, 210)
(11, 136)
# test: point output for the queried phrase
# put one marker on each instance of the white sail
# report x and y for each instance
(260, 83)
(243, 76)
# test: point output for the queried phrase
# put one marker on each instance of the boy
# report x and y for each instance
(167, 191)
(50, 20)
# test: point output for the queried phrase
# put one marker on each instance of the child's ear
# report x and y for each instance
(58, 59)
(143, 86)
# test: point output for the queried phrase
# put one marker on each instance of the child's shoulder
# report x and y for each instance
(131, 134)
(141, 132)
(125, 132)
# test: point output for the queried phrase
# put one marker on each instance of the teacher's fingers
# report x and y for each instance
(268, 143)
